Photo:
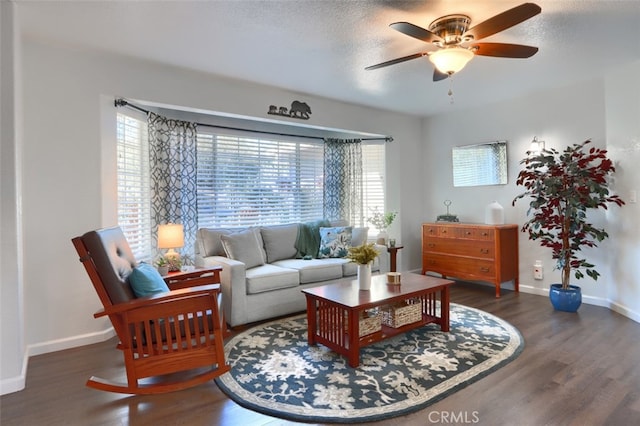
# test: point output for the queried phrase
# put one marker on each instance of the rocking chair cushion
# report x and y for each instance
(145, 280)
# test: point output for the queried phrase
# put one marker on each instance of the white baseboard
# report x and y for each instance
(70, 342)
(623, 310)
(15, 384)
(589, 300)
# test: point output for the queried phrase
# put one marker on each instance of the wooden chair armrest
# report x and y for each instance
(193, 278)
(202, 290)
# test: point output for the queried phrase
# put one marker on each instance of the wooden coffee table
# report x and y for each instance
(334, 310)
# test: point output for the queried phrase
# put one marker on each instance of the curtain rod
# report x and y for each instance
(124, 103)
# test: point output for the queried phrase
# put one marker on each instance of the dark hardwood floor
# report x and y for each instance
(576, 369)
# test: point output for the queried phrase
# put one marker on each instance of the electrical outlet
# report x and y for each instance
(538, 273)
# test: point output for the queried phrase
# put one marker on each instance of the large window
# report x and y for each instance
(242, 180)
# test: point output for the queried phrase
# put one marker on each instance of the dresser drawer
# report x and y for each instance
(462, 267)
(481, 249)
(483, 234)
(439, 231)
(429, 231)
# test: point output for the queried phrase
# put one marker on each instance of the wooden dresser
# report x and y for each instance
(471, 251)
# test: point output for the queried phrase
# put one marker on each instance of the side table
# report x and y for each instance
(393, 252)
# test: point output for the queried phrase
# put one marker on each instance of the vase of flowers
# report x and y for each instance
(364, 256)
(381, 221)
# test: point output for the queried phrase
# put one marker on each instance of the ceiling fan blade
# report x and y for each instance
(504, 20)
(504, 50)
(437, 75)
(415, 32)
(396, 61)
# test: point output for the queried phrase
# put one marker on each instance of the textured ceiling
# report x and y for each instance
(322, 47)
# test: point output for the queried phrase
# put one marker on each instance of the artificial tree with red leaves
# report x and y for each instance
(563, 186)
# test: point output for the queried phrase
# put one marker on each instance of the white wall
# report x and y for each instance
(12, 349)
(623, 143)
(69, 163)
(560, 117)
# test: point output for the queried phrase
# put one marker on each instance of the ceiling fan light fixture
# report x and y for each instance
(451, 60)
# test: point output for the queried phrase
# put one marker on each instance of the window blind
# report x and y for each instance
(134, 215)
(373, 176)
(246, 181)
(482, 164)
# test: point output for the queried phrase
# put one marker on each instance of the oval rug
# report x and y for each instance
(275, 372)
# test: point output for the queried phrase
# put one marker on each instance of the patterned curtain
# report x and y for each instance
(343, 180)
(172, 159)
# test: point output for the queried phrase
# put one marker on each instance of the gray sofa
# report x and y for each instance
(263, 272)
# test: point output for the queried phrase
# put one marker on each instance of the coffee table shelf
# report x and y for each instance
(334, 310)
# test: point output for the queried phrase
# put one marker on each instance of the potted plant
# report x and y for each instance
(162, 264)
(171, 264)
(563, 186)
(363, 255)
(382, 221)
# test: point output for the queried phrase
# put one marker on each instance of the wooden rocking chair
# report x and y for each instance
(160, 334)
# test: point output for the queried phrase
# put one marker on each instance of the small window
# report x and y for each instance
(482, 164)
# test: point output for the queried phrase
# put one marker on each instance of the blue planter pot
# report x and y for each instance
(565, 300)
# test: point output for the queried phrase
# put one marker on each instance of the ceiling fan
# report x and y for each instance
(457, 43)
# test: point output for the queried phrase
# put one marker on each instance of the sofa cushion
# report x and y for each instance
(145, 280)
(270, 277)
(245, 246)
(314, 270)
(209, 242)
(359, 236)
(335, 241)
(280, 241)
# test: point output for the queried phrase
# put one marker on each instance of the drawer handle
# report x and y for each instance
(484, 251)
(484, 269)
(484, 234)
(444, 232)
(468, 233)
(431, 245)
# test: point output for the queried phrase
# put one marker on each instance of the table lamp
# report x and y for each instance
(171, 236)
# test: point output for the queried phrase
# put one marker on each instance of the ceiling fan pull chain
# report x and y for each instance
(450, 92)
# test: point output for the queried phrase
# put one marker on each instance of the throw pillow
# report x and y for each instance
(145, 280)
(280, 241)
(210, 243)
(245, 247)
(335, 242)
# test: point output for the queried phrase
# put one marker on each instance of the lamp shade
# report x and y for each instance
(451, 60)
(170, 236)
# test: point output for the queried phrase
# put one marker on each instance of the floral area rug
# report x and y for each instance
(274, 371)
